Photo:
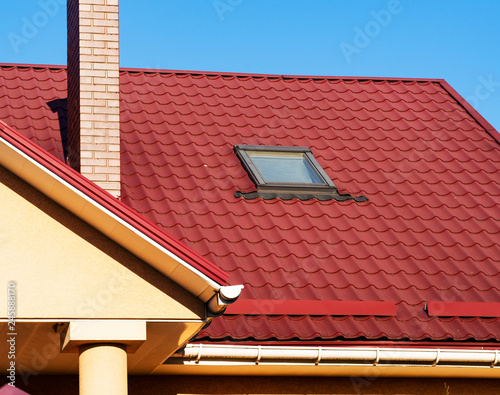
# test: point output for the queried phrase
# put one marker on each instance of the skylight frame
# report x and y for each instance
(326, 187)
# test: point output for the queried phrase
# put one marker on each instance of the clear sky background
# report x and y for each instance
(458, 40)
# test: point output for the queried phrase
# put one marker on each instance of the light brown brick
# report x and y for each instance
(85, 95)
(93, 162)
(105, 22)
(85, 51)
(109, 38)
(86, 140)
(91, 15)
(112, 30)
(105, 52)
(113, 118)
(92, 44)
(93, 147)
(85, 22)
(85, 36)
(114, 163)
(104, 95)
(92, 58)
(104, 81)
(113, 74)
(104, 140)
(104, 125)
(113, 103)
(92, 102)
(112, 44)
(114, 133)
(87, 170)
(114, 58)
(106, 169)
(114, 177)
(93, 132)
(92, 88)
(107, 155)
(105, 66)
(105, 110)
(92, 29)
(86, 154)
(106, 8)
(92, 2)
(93, 74)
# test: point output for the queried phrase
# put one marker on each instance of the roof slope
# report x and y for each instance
(428, 164)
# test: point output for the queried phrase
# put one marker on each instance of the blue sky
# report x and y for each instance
(458, 40)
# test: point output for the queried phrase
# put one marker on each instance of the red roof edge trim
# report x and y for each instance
(236, 74)
(472, 111)
(363, 343)
(311, 307)
(112, 204)
(34, 66)
(284, 76)
(463, 309)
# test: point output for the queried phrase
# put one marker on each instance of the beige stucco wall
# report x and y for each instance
(66, 269)
(177, 385)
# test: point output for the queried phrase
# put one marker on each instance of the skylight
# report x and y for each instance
(283, 168)
(287, 173)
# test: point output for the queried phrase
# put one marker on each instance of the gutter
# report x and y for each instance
(431, 362)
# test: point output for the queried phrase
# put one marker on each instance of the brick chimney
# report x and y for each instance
(94, 91)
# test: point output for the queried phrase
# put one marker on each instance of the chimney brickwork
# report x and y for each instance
(94, 91)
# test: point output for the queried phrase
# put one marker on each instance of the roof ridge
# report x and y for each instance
(282, 76)
(33, 66)
(146, 70)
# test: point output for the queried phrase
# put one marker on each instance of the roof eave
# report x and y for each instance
(111, 217)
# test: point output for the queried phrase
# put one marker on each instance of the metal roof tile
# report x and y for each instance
(428, 167)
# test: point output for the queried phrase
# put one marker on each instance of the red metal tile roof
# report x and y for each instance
(428, 163)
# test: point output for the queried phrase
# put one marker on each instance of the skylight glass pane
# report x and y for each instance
(284, 167)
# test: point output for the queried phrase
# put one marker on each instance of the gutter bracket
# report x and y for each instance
(198, 357)
(495, 361)
(377, 359)
(437, 357)
(318, 360)
(258, 355)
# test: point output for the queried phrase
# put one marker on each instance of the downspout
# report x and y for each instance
(431, 357)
